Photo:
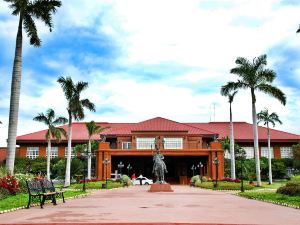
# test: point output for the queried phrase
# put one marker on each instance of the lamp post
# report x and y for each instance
(200, 165)
(85, 155)
(120, 167)
(241, 155)
(193, 168)
(106, 162)
(216, 162)
(129, 167)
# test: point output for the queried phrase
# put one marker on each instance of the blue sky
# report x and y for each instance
(154, 58)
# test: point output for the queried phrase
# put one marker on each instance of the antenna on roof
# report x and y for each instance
(212, 113)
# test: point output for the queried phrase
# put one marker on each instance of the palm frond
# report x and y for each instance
(272, 91)
(67, 85)
(41, 118)
(88, 104)
(80, 86)
(266, 75)
(43, 9)
(60, 120)
(259, 62)
(31, 30)
(233, 86)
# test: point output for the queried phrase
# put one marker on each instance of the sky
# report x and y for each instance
(144, 59)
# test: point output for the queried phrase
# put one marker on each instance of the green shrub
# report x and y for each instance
(4, 193)
(292, 190)
(204, 179)
(194, 179)
(22, 165)
(126, 180)
(3, 171)
(22, 178)
(223, 185)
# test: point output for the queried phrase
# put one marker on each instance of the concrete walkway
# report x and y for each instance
(137, 205)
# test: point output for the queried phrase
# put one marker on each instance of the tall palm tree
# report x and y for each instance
(232, 156)
(266, 118)
(27, 10)
(75, 110)
(253, 76)
(51, 121)
(92, 129)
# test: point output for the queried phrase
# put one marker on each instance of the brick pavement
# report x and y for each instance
(135, 205)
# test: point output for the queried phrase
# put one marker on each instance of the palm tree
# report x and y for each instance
(255, 77)
(75, 110)
(92, 129)
(27, 11)
(266, 118)
(53, 132)
(232, 155)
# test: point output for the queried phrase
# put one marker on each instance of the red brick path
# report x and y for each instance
(135, 205)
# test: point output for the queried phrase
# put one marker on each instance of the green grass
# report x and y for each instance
(97, 185)
(224, 185)
(21, 199)
(274, 185)
(273, 197)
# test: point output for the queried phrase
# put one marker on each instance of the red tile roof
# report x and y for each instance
(242, 130)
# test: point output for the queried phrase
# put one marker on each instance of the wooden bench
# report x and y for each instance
(43, 190)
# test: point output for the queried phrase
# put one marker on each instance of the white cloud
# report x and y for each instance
(156, 32)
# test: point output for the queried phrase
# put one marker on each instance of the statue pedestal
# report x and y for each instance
(160, 188)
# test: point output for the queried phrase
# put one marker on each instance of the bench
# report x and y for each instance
(48, 187)
(42, 190)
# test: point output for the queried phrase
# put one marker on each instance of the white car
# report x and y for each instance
(144, 180)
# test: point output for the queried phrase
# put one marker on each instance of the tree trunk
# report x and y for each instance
(255, 137)
(68, 164)
(89, 166)
(14, 100)
(48, 158)
(232, 146)
(269, 155)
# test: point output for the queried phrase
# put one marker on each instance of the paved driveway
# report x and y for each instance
(136, 205)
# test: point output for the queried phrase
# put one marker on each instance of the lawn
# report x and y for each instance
(21, 200)
(273, 197)
(274, 185)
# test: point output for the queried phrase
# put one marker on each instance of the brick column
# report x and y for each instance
(218, 152)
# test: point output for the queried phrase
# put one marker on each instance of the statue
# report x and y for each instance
(159, 166)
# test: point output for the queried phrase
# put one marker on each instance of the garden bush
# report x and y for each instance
(126, 180)
(10, 183)
(228, 179)
(22, 178)
(291, 188)
(204, 179)
(4, 193)
(194, 179)
(223, 185)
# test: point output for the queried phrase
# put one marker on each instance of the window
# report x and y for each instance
(173, 143)
(265, 152)
(53, 152)
(126, 145)
(145, 143)
(286, 152)
(249, 152)
(32, 152)
(72, 152)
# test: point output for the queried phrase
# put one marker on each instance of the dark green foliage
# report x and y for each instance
(4, 193)
(292, 190)
(292, 187)
(296, 151)
(22, 165)
(59, 168)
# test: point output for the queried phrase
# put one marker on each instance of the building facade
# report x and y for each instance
(130, 146)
